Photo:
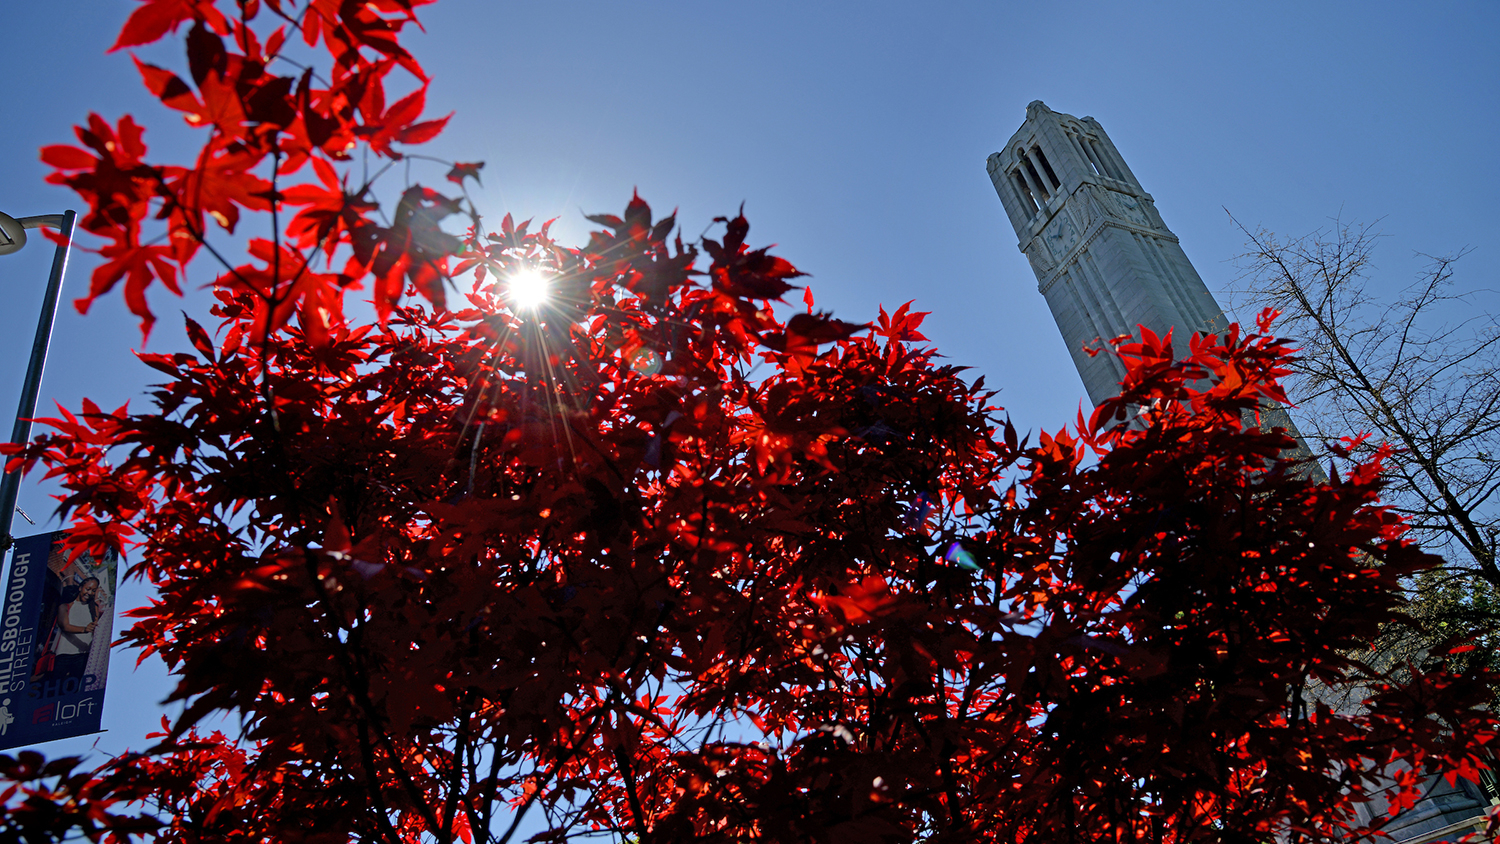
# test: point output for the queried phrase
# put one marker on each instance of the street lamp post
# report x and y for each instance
(12, 238)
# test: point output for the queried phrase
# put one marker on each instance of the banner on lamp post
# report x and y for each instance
(55, 629)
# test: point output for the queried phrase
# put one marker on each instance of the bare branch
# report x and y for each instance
(1419, 370)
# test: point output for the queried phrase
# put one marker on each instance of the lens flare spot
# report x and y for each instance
(644, 361)
(528, 289)
(960, 556)
(917, 513)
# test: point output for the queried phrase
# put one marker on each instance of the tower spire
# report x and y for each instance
(1103, 257)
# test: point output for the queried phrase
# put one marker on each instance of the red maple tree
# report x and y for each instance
(656, 560)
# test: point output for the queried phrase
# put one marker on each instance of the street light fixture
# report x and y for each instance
(12, 238)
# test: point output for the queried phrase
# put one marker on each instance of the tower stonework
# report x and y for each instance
(1104, 259)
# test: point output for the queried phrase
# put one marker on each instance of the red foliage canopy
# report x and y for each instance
(656, 559)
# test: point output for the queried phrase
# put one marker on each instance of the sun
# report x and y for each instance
(529, 289)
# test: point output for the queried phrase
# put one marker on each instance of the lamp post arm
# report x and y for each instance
(56, 221)
(10, 487)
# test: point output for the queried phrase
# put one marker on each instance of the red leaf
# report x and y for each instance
(335, 535)
(462, 170)
(421, 133)
(171, 90)
(139, 266)
(155, 18)
(860, 602)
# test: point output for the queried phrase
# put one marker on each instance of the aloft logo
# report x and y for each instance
(62, 711)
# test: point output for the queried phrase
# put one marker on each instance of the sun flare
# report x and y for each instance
(528, 289)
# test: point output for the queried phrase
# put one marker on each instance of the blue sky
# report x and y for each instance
(855, 134)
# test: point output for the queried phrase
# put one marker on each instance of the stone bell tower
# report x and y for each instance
(1104, 259)
(1106, 263)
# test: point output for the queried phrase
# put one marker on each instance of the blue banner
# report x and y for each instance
(55, 631)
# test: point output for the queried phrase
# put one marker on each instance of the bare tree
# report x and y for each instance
(1420, 371)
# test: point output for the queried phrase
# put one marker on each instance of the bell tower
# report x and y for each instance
(1106, 263)
(1103, 257)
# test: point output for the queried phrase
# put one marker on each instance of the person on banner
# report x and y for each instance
(76, 619)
